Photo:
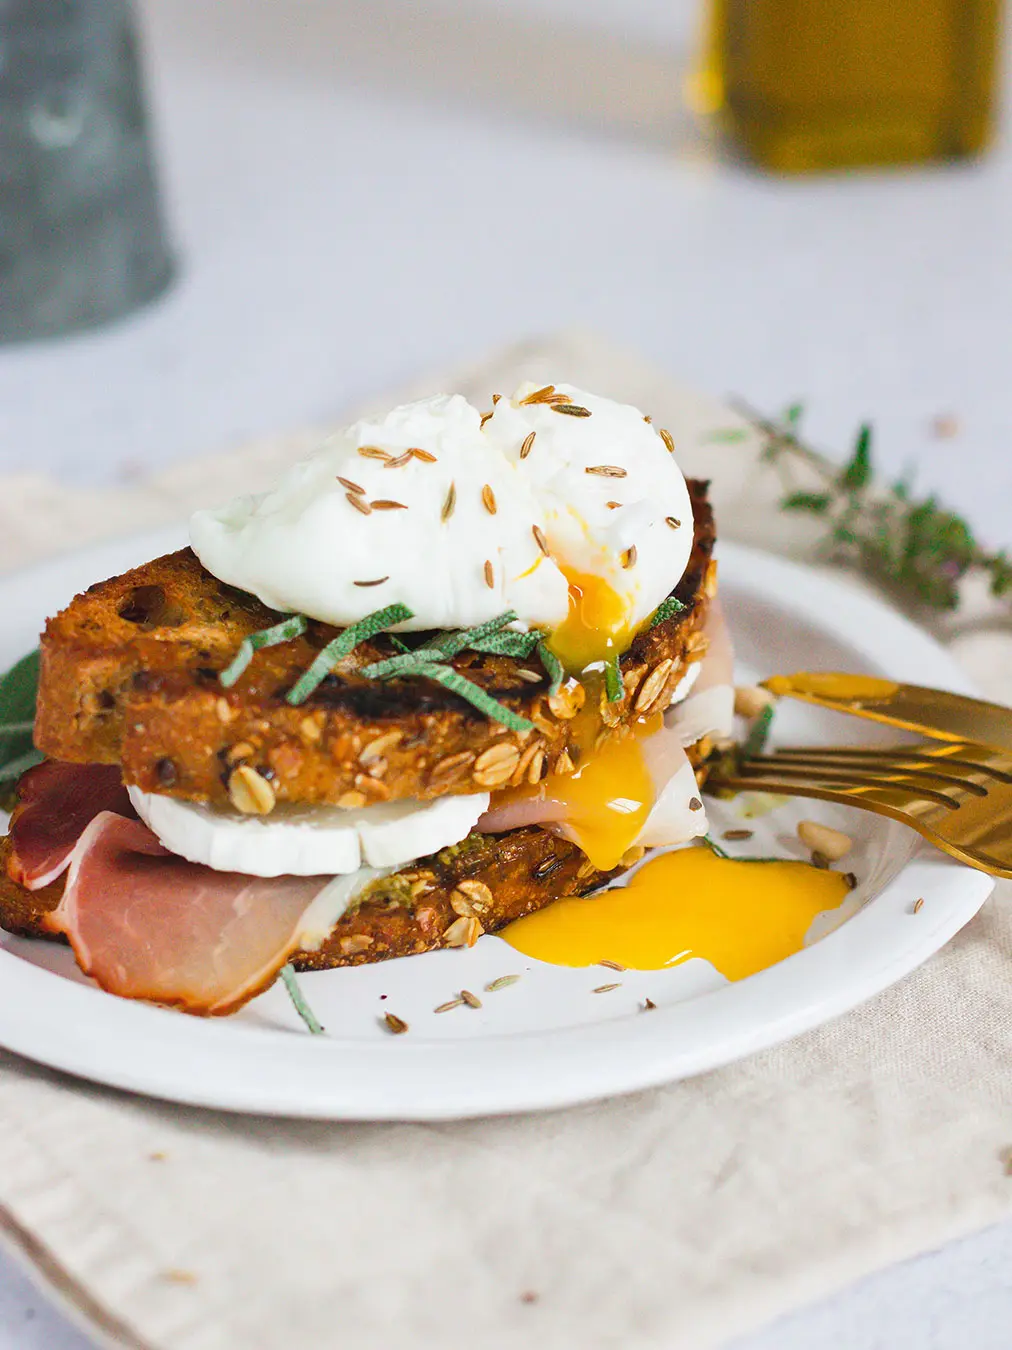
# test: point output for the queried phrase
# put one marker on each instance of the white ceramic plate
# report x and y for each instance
(546, 1041)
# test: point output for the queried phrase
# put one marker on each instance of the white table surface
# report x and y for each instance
(361, 191)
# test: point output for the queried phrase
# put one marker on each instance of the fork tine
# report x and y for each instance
(918, 786)
(892, 800)
(866, 768)
(975, 759)
(909, 807)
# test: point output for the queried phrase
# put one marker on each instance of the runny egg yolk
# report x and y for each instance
(741, 916)
(608, 798)
(597, 627)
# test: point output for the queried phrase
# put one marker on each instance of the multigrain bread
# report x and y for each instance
(130, 676)
(487, 880)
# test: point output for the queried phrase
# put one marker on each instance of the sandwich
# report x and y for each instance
(455, 666)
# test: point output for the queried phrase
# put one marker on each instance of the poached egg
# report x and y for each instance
(565, 507)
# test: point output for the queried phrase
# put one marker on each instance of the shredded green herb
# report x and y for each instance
(441, 648)
(431, 662)
(299, 1000)
(667, 609)
(342, 646)
(267, 637)
(553, 667)
(473, 693)
(507, 644)
(613, 680)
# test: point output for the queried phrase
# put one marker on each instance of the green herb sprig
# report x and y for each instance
(913, 547)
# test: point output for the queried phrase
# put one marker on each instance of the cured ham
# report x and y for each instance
(56, 803)
(146, 924)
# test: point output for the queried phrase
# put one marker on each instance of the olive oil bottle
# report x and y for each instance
(807, 85)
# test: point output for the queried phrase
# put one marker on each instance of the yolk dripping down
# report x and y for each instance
(597, 627)
(741, 916)
(608, 797)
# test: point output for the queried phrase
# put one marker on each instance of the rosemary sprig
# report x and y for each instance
(342, 646)
(913, 547)
(299, 1000)
(267, 637)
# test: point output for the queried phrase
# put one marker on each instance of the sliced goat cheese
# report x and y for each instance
(297, 840)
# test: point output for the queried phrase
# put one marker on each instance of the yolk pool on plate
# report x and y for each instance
(597, 626)
(741, 916)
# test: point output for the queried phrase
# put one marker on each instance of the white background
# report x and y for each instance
(360, 191)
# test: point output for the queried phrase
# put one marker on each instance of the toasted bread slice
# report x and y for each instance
(504, 876)
(130, 676)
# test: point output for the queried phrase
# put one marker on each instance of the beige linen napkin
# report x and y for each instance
(673, 1218)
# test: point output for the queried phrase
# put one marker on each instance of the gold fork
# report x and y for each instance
(931, 712)
(958, 795)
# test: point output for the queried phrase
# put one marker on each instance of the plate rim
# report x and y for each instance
(82, 1031)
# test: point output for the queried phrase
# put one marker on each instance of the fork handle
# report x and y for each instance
(933, 712)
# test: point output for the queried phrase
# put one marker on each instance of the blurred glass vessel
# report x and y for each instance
(804, 85)
(81, 234)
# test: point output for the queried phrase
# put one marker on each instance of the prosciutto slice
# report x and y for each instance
(56, 803)
(146, 924)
